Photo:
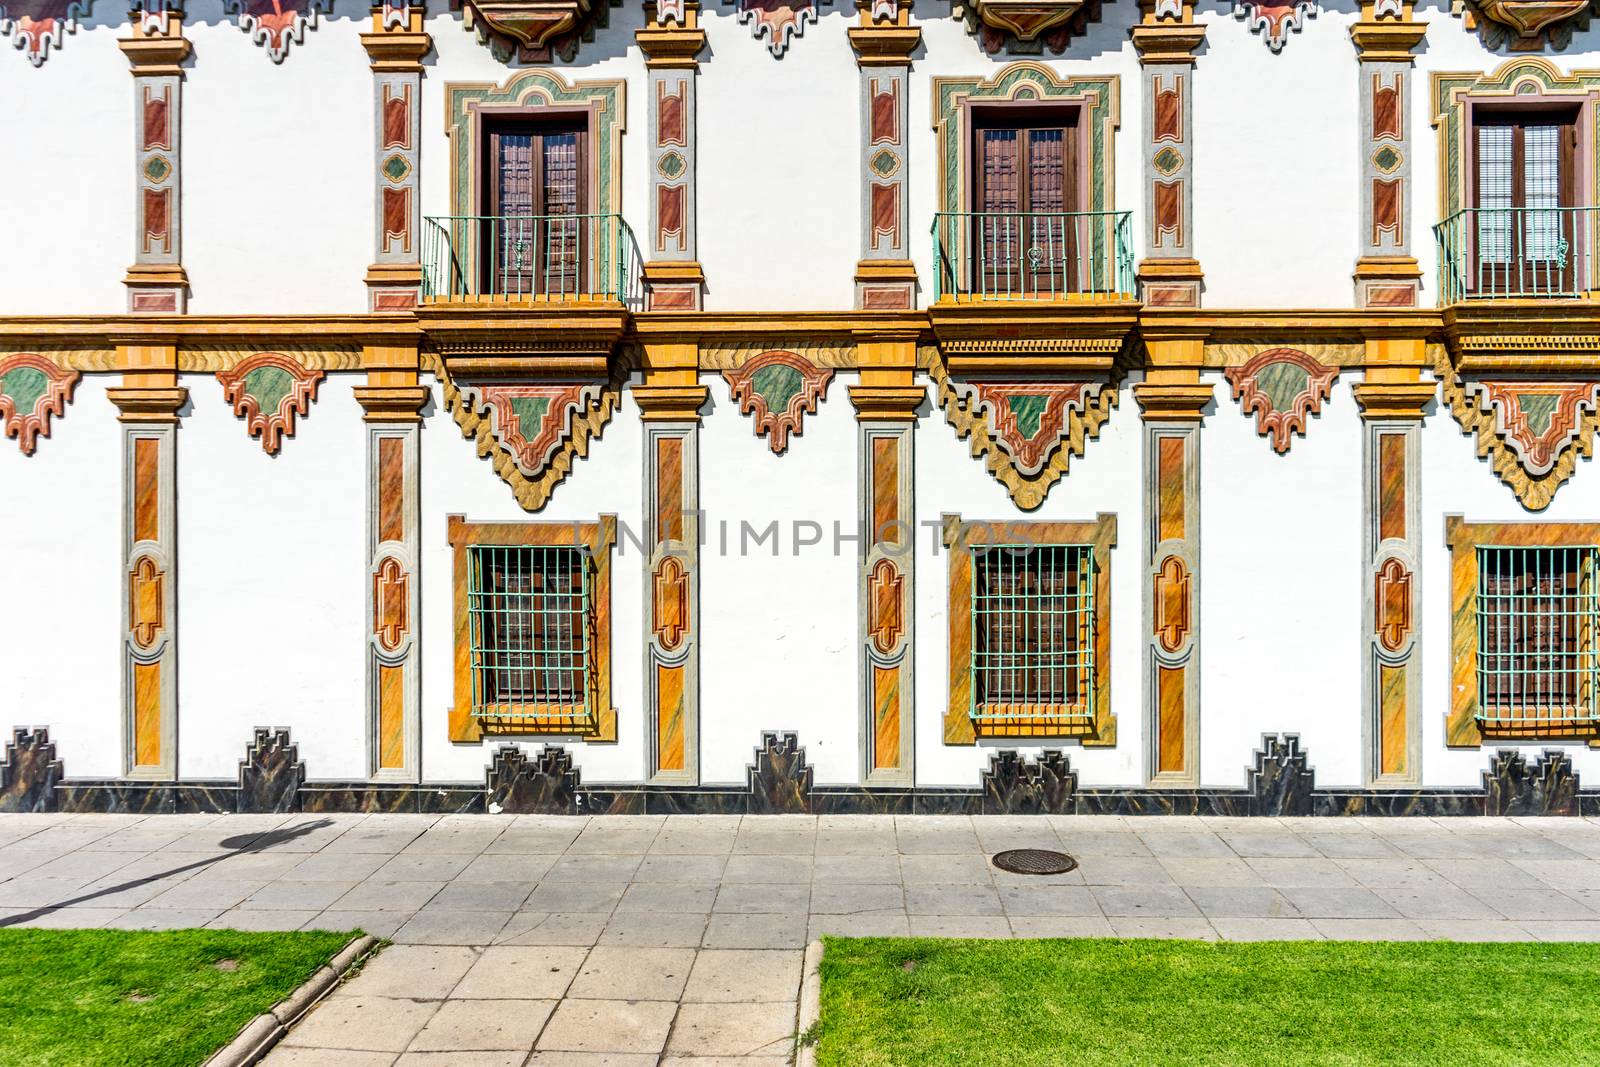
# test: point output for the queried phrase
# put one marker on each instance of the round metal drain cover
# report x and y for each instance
(1034, 861)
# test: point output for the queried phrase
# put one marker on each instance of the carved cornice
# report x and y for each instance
(573, 340)
(1017, 338)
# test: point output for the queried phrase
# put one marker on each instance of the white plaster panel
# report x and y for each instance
(61, 573)
(456, 482)
(67, 182)
(778, 630)
(277, 167)
(1280, 589)
(1455, 481)
(1106, 478)
(271, 584)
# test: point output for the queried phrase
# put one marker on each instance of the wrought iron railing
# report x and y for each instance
(1511, 252)
(529, 257)
(1032, 255)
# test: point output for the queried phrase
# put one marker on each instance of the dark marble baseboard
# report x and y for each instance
(1280, 781)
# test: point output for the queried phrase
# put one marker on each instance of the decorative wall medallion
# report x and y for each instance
(1171, 603)
(1027, 430)
(268, 390)
(1027, 27)
(671, 602)
(1274, 21)
(277, 23)
(534, 31)
(391, 604)
(146, 601)
(1283, 386)
(31, 390)
(35, 26)
(884, 621)
(1525, 25)
(778, 389)
(776, 20)
(1392, 602)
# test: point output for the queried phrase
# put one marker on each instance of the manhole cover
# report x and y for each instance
(1034, 861)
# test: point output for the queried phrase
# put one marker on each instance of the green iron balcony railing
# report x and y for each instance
(1033, 255)
(530, 257)
(1504, 253)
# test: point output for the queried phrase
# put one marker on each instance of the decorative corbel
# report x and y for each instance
(156, 49)
(1386, 273)
(884, 40)
(1166, 38)
(671, 41)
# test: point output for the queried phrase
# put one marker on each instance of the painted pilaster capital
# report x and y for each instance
(1172, 401)
(887, 403)
(1168, 43)
(670, 402)
(1387, 40)
(1389, 400)
(148, 404)
(156, 55)
(396, 48)
(392, 403)
(671, 38)
(885, 35)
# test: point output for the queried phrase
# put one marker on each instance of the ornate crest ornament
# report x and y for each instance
(35, 26)
(1525, 25)
(268, 390)
(1026, 27)
(533, 432)
(1274, 21)
(1027, 429)
(1531, 429)
(777, 20)
(31, 390)
(1283, 386)
(277, 24)
(778, 389)
(534, 31)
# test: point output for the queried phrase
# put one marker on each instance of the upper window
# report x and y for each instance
(1538, 663)
(536, 229)
(1523, 180)
(1027, 234)
(1033, 628)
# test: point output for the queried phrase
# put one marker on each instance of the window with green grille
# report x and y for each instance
(1538, 609)
(530, 613)
(1033, 634)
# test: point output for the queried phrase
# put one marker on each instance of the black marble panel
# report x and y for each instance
(1513, 787)
(324, 797)
(30, 772)
(780, 780)
(1013, 785)
(1397, 802)
(271, 774)
(1163, 802)
(546, 785)
(686, 800)
(1281, 780)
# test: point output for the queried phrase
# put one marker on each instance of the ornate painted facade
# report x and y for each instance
(1042, 407)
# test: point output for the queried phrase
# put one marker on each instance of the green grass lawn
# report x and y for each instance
(923, 1002)
(108, 997)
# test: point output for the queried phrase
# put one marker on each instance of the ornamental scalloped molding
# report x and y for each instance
(561, 403)
(294, 400)
(532, 490)
(1026, 27)
(1480, 409)
(50, 388)
(1275, 21)
(1525, 25)
(1281, 417)
(809, 385)
(35, 26)
(778, 20)
(970, 418)
(276, 24)
(534, 31)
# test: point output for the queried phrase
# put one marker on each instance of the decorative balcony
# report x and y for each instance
(520, 259)
(1033, 255)
(1518, 254)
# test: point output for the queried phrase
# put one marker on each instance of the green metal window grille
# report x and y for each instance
(1538, 612)
(1033, 634)
(532, 635)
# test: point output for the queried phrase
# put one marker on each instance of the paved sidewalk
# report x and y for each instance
(636, 940)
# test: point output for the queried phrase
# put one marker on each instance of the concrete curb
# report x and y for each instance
(810, 1003)
(267, 1029)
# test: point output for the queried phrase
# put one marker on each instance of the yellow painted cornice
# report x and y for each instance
(396, 51)
(1393, 400)
(1387, 41)
(1522, 336)
(392, 403)
(1160, 43)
